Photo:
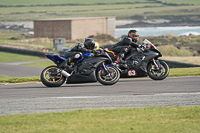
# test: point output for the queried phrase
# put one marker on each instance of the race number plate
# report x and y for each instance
(132, 73)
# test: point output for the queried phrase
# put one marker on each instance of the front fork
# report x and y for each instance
(106, 72)
(106, 68)
(156, 63)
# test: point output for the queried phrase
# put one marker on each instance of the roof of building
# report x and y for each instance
(75, 18)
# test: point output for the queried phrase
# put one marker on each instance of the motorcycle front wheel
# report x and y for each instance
(51, 77)
(109, 76)
(158, 74)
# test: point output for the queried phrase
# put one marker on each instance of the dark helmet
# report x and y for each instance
(89, 43)
(132, 34)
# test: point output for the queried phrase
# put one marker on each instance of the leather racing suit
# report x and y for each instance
(122, 47)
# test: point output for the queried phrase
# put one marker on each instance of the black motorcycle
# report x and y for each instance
(85, 70)
(143, 61)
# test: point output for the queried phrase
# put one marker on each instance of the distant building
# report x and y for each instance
(74, 28)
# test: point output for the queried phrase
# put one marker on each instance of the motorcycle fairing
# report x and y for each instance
(144, 58)
(89, 63)
(138, 71)
(87, 70)
(148, 56)
(81, 78)
(56, 59)
(84, 55)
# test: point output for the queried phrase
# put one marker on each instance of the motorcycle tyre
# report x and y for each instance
(117, 76)
(50, 84)
(166, 67)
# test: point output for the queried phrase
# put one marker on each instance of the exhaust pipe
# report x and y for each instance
(66, 74)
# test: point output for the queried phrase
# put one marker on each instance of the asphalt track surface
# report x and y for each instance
(134, 93)
(15, 69)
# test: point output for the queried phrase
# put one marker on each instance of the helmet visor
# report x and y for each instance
(134, 34)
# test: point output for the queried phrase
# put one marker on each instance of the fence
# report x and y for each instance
(22, 51)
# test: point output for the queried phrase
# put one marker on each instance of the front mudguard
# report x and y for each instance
(151, 62)
(105, 60)
(143, 66)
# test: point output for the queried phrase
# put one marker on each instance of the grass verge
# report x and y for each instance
(192, 71)
(6, 79)
(10, 57)
(41, 63)
(184, 59)
(153, 120)
(37, 10)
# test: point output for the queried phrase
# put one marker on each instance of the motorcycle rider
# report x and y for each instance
(77, 51)
(122, 47)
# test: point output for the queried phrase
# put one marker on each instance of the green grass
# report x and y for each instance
(128, 120)
(170, 50)
(72, 11)
(171, 39)
(71, 8)
(7, 79)
(184, 59)
(30, 2)
(10, 57)
(118, 10)
(8, 34)
(195, 2)
(6, 38)
(41, 63)
(192, 71)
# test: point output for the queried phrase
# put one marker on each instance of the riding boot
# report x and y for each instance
(121, 63)
(120, 60)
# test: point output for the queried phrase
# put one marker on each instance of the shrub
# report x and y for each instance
(170, 50)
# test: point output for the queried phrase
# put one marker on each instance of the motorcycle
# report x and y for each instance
(143, 61)
(90, 68)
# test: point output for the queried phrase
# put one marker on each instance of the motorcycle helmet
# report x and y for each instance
(133, 34)
(89, 43)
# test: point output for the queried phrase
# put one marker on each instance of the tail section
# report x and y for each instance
(56, 59)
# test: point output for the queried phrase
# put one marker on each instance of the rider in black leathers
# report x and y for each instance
(122, 47)
(77, 51)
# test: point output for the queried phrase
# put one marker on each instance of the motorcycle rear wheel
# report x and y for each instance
(160, 74)
(51, 78)
(108, 78)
